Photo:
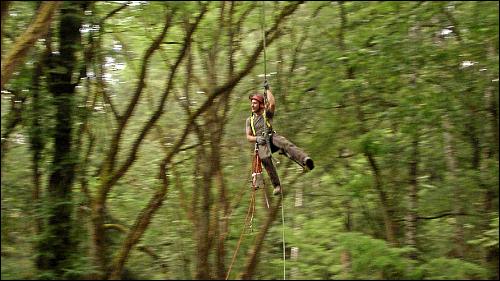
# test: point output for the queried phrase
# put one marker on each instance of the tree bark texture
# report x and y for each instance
(57, 247)
(36, 142)
(452, 167)
(412, 214)
(5, 9)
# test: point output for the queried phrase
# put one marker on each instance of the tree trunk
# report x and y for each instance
(58, 247)
(491, 105)
(412, 215)
(203, 216)
(384, 201)
(5, 9)
(452, 168)
(36, 143)
(294, 251)
(491, 255)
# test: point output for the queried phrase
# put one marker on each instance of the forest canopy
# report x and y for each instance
(124, 155)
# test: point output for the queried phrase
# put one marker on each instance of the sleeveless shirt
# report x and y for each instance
(259, 123)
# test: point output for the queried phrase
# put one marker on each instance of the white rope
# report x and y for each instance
(263, 16)
(265, 99)
(283, 228)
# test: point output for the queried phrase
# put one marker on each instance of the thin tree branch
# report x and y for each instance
(115, 143)
(133, 154)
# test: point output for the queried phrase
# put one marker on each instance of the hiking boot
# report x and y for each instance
(309, 163)
(277, 190)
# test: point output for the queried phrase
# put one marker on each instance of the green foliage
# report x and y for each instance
(451, 269)
(316, 260)
(359, 184)
(369, 258)
(369, 83)
(374, 258)
(488, 238)
(369, 143)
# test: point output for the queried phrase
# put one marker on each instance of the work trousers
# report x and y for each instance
(279, 143)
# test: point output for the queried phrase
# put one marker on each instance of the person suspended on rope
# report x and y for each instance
(259, 131)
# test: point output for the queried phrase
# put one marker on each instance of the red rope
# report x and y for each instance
(256, 168)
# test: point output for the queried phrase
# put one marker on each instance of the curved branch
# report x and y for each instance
(36, 30)
(156, 201)
(115, 143)
(143, 248)
(151, 122)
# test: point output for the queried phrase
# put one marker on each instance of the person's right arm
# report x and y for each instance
(250, 137)
(271, 103)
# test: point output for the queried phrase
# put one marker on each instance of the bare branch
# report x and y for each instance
(115, 143)
(133, 154)
(156, 201)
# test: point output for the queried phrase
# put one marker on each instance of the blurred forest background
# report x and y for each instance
(124, 153)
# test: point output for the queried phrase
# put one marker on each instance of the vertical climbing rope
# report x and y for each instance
(263, 20)
(262, 23)
(283, 231)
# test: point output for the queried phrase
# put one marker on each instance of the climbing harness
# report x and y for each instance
(267, 134)
(252, 117)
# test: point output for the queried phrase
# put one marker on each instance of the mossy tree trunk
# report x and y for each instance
(57, 246)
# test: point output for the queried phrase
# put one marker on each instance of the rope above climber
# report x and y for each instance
(259, 131)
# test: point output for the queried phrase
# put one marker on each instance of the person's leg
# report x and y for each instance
(271, 171)
(292, 151)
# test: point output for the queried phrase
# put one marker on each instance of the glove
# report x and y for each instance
(260, 140)
(266, 85)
